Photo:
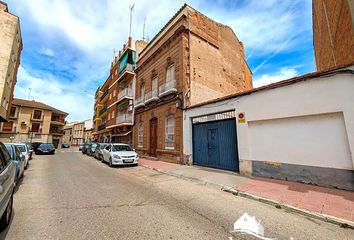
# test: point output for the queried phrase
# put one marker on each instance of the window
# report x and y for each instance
(110, 96)
(37, 114)
(170, 74)
(35, 127)
(13, 112)
(5, 154)
(113, 114)
(141, 134)
(7, 126)
(170, 132)
(114, 93)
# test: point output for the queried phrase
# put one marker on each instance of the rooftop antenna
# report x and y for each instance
(131, 8)
(114, 54)
(144, 28)
(29, 93)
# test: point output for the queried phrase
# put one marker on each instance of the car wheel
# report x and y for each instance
(6, 217)
(110, 162)
(101, 158)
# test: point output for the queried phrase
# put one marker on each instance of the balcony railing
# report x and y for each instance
(125, 93)
(139, 102)
(101, 126)
(103, 110)
(128, 69)
(124, 117)
(104, 94)
(168, 88)
(58, 132)
(151, 96)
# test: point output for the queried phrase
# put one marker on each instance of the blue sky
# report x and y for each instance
(68, 45)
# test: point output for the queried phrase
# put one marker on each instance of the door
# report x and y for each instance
(56, 143)
(215, 144)
(153, 136)
(106, 152)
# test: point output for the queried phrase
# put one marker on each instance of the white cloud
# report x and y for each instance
(46, 52)
(66, 97)
(283, 74)
(80, 36)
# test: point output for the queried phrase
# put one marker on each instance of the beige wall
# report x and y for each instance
(22, 123)
(10, 49)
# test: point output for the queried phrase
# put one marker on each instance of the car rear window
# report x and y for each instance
(22, 148)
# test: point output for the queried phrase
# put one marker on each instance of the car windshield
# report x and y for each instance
(9, 148)
(102, 146)
(116, 148)
(43, 145)
(22, 148)
(94, 145)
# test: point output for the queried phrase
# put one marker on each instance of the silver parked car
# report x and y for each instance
(7, 184)
(98, 153)
(25, 151)
(120, 154)
(18, 158)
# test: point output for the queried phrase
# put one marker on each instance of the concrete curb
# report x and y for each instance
(323, 217)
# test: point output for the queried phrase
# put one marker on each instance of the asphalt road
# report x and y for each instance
(72, 196)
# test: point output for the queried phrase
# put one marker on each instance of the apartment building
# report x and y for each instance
(78, 133)
(10, 52)
(68, 133)
(88, 130)
(333, 33)
(32, 121)
(81, 132)
(191, 60)
(113, 109)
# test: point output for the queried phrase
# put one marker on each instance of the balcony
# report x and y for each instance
(103, 110)
(125, 118)
(168, 88)
(104, 94)
(126, 93)
(151, 96)
(57, 121)
(127, 71)
(57, 132)
(102, 126)
(139, 102)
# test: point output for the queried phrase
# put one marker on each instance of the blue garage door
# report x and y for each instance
(215, 144)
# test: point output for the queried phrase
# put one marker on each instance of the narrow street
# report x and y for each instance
(73, 196)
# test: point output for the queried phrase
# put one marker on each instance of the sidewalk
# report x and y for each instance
(318, 200)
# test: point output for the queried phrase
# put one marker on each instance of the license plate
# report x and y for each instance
(128, 161)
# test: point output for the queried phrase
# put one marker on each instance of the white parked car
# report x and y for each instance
(120, 154)
(25, 151)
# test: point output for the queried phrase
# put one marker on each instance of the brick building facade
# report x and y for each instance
(113, 110)
(333, 32)
(10, 53)
(191, 60)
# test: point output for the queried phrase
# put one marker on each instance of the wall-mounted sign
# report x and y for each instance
(241, 117)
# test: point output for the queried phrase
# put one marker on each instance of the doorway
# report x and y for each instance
(153, 137)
